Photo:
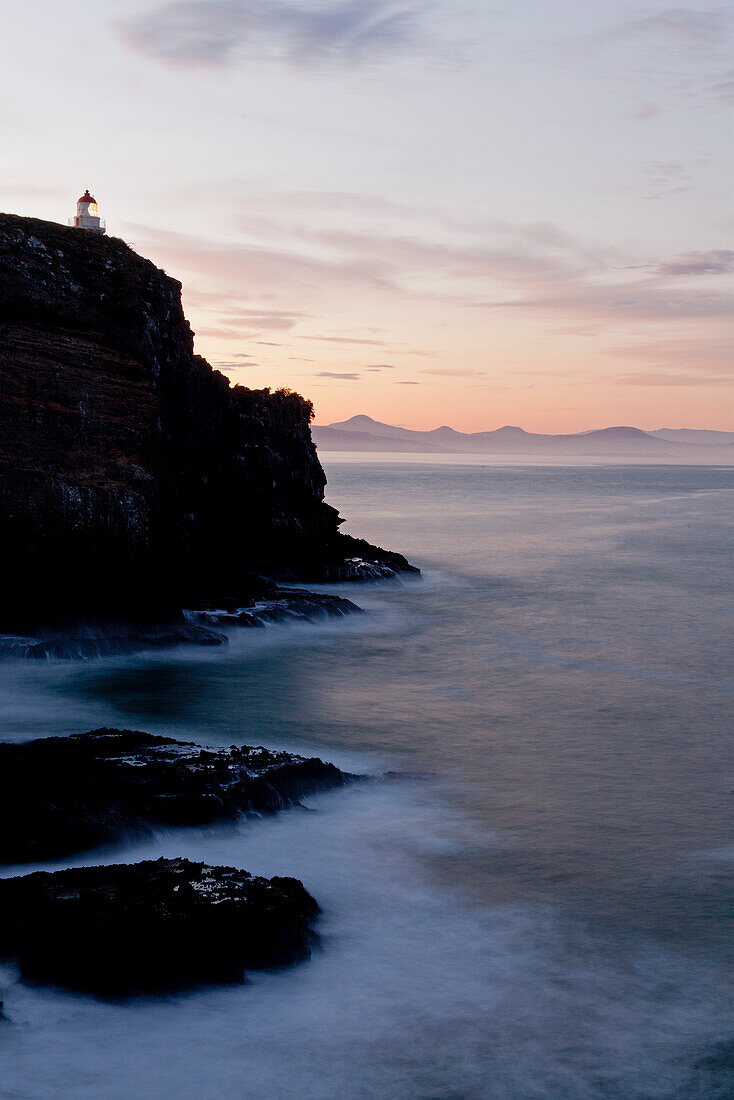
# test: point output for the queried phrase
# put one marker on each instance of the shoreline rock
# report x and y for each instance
(64, 795)
(153, 926)
(83, 639)
(279, 605)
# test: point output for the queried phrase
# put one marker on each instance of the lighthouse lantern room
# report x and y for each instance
(87, 216)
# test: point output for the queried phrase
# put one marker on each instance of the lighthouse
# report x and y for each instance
(87, 216)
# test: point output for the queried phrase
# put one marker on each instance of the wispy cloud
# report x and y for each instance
(343, 376)
(562, 284)
(219, 32)
(270, 269)
(674, 57)
(238, 364)
(344, 340)
(722, 88)
(720, 261)
(690, 28)
(650, 378)
(263, 318)
(711, 354)
(455, 372)
(667, 178)
(608, 304)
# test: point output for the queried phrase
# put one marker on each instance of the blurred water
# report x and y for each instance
(543, 908)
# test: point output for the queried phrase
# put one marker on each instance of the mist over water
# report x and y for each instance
(539, 903)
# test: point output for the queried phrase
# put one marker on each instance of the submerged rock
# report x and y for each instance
(60, 795)
(152, 926)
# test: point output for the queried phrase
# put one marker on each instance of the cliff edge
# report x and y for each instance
(132, 474)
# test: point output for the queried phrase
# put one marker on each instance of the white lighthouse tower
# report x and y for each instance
(86, 214)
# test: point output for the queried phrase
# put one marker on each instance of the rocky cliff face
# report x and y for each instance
(130, 471)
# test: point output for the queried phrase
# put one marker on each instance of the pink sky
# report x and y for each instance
(430, 214)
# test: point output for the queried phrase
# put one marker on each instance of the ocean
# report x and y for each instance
(532, 896)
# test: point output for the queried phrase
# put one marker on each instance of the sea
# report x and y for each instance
(531, 896)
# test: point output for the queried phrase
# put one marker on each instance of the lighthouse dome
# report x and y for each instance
(86, 197)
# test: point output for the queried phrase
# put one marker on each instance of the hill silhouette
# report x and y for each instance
(363, 433)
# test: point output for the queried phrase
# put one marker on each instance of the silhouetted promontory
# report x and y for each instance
(134, 479)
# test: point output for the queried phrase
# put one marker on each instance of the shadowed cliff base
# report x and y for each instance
(135, 481)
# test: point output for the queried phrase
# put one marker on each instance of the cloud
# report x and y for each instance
(343, 340)
(643, 378)
(453, 372)
(555, 280)
(397, 383)
(239, 365)
(667, 177)
(677, 57)
(280, 319)
(711, 354)
(345, 376)
(723, 88)
(214, 33)
(274, 271)
(332, 259)
(647, 110)
(607, 304)
(720, 261)
(692, 29)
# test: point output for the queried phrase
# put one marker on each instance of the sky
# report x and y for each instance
(465, 213)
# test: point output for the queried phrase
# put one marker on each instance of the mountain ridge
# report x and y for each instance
(363, 433)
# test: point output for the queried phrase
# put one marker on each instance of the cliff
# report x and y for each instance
(132, 474)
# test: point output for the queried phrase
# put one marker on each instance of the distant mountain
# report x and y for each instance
(362, 433)
(334, 439)
(697, 436)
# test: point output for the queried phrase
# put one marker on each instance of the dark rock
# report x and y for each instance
(278, 606)
(357, 560)
(101, 638)
(60, 795)
(133, 477)
(152, 926)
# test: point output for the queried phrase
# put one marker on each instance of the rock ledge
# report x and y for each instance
(152, 926)
(60, 795)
